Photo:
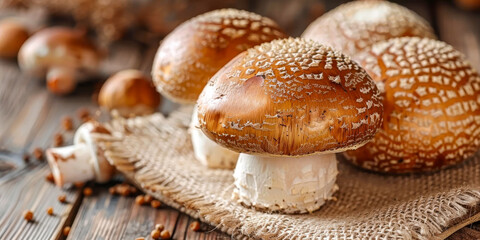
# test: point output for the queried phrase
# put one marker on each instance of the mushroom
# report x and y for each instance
(82, 161)
(13, 35)
(61, 54)
(432, 107)
(288, 106)
(130, 93)
(356, 25)
(190, 55)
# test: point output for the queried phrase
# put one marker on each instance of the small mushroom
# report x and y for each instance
(82, 161)
(288, 106)
(12, 36)
(62, 55)
(130, 93)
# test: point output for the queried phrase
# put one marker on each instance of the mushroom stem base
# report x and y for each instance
(285, 184)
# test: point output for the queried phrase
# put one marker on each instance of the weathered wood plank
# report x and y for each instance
(28, 190)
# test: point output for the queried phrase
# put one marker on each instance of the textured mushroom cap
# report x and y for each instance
(59, 47)
(356, 25)
(290, 97)
(130, 92)
(197, 49)
(431, 106)
(13, 35)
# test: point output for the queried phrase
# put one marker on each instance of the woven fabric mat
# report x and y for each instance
(156, 153)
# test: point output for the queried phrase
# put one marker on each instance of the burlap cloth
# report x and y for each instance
(156, 153)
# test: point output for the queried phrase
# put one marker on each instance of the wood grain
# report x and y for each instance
(30, 116)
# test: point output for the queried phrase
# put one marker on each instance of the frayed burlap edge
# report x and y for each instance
(441, 208)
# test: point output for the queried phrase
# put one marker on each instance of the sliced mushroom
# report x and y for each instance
(83, 161)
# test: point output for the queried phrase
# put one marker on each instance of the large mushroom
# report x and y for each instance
(356, 25)
(129, 93)
(82, 161)
(288, 106)
(432, 107)
(61, 54)
(190, 55)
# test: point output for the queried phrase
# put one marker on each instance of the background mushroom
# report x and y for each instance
(356, 25)
(61, 54)
(288, 106)
(12, 35)
(190, 55)
(130, 93)
(432, 107)
(83, 161)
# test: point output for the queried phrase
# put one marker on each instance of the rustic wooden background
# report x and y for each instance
(30, 116)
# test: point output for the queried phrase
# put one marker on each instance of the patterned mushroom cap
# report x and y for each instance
(431, 106)
(198, 48)
(354, 26)
(290, 97)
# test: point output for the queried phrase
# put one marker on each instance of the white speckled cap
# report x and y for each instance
(290, 97)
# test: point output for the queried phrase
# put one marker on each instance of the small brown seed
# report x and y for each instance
(140, 200)
(62, 198)
(58, 140)
(83, 113)
(148, 198)
(38, 153)
(26, 158)
(87, 191)
(49, 177)
(66, 231)
(159, 227)
(78, 184)
(50, 211)
(155, 204)
(155, 234)
(67, 123)
(195, 226)
(28, 215)
(165, 234)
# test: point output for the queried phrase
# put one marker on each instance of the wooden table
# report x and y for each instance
(30, 116)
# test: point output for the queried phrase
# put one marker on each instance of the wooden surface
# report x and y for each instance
(30, 116)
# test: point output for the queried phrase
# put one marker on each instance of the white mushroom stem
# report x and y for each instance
(80, 162)
(70, 164)
(61, 80)
(285, 184)
(208, 152)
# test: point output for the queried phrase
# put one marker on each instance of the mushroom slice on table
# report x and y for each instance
(60, 54)
(82, 161)
(288, 106)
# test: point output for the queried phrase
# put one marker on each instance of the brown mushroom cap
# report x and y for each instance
(58, 47)
(431, 106)
(12, 36)
(130, 92)
(356, 25)
(290, 97)
(197, 49)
